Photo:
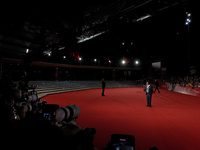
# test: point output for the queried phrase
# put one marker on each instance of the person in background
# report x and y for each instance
(149, 91)
(103, 86)
(157, 86)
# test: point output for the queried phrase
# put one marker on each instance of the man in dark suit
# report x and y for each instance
(157, 86)
(149, 91)
(103, 86)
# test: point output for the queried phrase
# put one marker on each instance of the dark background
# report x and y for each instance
(42, 27)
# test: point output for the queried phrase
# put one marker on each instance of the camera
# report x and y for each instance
(48, 110)
(67, 113)
(57, 113)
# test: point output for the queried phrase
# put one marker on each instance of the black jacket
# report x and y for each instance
(150, 90)
(103, 84)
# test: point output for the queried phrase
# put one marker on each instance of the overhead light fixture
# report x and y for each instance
(143, 17)
(48, 53)
(61, 48)
(27, 51)
(80, 40)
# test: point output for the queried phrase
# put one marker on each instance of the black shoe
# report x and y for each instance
(147, 106)
(102, 95)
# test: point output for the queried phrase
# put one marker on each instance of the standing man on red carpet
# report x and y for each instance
(149, 91)
(157, 86)
(103, 86)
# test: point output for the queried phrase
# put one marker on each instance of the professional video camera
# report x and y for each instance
(32, 95)
(59, 114)
(121, 142)
(67, 113)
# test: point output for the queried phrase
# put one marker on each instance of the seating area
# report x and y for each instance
(44, 88)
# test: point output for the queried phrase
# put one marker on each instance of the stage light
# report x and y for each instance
(95, 59)
(64, 57)
(109, 61)
(136, 62)
(123, 61)
(80, 58)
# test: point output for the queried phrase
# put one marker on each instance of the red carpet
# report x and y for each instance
(173, 123)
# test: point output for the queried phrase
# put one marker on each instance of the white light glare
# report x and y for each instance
(95, 59)
(123, 61)
(27, 50)
(188, 19)
(80, 58)
(136, 62)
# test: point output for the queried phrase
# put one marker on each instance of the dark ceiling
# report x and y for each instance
(106, 28)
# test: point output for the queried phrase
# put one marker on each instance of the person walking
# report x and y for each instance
(149, 91)
(103, 86)
(157, 86)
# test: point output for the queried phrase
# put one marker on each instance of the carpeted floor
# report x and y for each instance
(172, 123)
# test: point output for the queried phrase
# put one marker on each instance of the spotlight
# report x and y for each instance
(136, 62)
(80, 58)
(188, 18)
(123, 61)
